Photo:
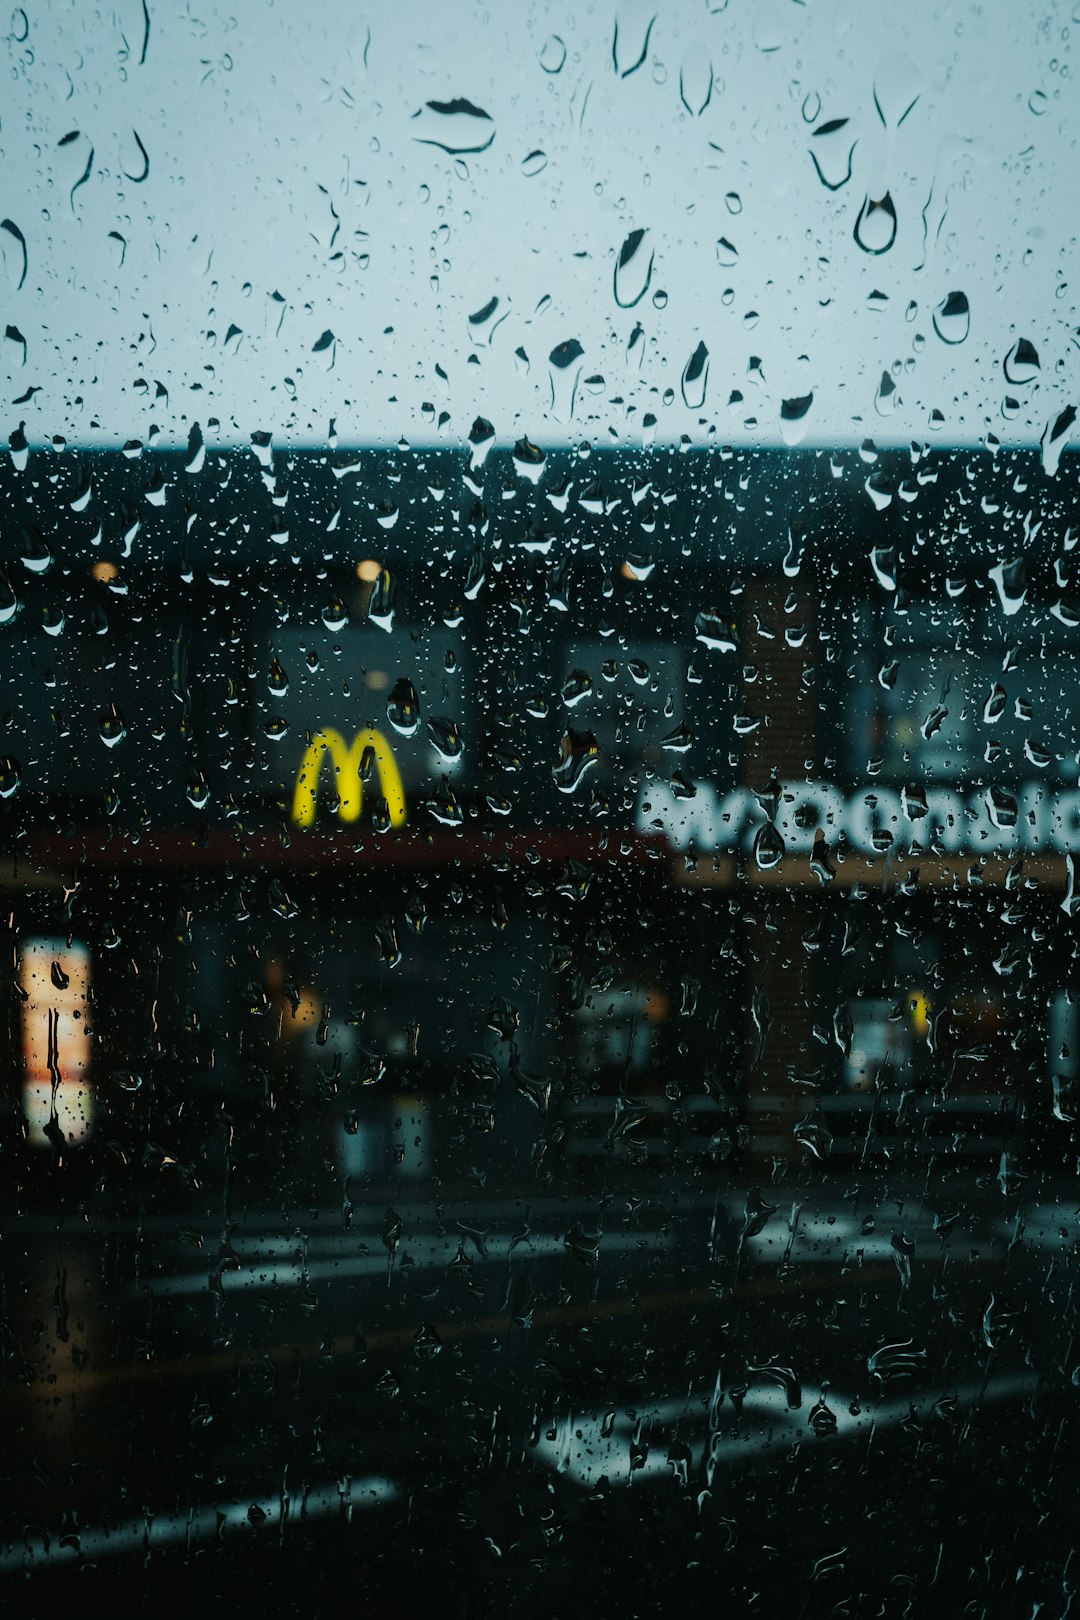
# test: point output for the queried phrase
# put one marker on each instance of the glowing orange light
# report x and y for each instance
(105, 572)
(368, 570)
(308, 1011)
(656, 1005)
(55, 979)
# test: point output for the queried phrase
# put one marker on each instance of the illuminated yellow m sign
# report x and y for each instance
(351, 765)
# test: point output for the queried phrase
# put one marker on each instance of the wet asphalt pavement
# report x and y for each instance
(813, 1396)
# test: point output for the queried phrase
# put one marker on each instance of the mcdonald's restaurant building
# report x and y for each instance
(541, 819)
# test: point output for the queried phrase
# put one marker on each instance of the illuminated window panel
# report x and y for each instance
(56, 1090)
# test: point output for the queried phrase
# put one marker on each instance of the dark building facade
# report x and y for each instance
(720, 805)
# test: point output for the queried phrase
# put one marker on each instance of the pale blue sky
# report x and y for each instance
(285, 158)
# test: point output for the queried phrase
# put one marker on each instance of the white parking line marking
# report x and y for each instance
(40, 1547)
(588, 1446)
(422, 1253)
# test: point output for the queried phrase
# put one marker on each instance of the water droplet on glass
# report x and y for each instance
(529, 460)
(485, 322)
(18, 448)
(733, 202)
(678, 740)
(633, 269)
(1038, 102)
(875, 228)
(553, 55)
(532, 164)
(795, 418)
(13, 250)
(695, 378)
(9, 602)
(994, 707)
(1021, 364)
(1010, 582)
(454, 126)
(768, 847)
(577, 685)
(822, 1420)
(403, 708)
(1003, 809)
(952, 318)
(381, 605)
(445, 736)
(811, 1134)
(1066, 1103)
(634, 21)
(565, 369)
(727, 254)
(481, 437)
(335, 615)
(879, 491)
(592, 500)
(712, 630)
(892, 1362)
(831, 148)
(811, 107)
(885, 397)
(897, 88)
(696, 80)
(111, 727)
(1055, 437)
(10, 776)
(579, 752)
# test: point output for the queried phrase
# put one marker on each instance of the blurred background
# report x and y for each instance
(540, 804)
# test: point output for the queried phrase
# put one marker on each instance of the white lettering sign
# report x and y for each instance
(872, 820)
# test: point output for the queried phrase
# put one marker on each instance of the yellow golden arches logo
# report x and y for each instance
(350, 766)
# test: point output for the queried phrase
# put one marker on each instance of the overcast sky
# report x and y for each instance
(248, 214)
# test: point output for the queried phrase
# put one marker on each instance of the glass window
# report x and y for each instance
(540, 809)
